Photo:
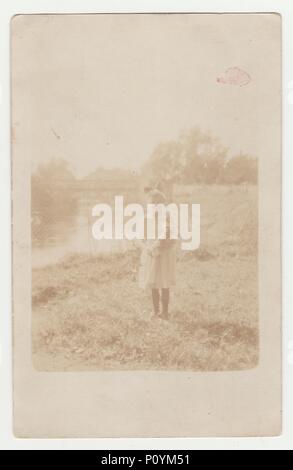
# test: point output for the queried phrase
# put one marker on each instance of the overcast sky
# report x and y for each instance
(100, 90)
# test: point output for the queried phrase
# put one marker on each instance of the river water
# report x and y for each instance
(73, 234)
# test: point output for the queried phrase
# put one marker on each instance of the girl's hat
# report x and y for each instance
(157, 197)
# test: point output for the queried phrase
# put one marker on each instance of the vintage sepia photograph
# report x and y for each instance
(168, 118)
(146, 154)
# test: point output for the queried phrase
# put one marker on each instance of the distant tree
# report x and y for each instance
(241, 169)
(166, 161)
(195, 157)
(52, 194)
(204, 156)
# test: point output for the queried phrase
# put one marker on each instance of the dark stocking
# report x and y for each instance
(165, 302)
(156, 300)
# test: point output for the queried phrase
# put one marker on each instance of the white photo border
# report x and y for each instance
(7, 11)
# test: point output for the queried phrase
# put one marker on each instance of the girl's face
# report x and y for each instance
(148, 197)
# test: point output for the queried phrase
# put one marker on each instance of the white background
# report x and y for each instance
(285, 8)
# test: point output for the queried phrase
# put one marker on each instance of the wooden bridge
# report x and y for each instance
(93, 185)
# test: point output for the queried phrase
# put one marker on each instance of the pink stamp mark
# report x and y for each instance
(234, 76)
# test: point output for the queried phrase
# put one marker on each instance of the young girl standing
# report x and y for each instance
(158, 263)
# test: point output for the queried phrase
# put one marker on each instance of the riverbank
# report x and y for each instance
(88, 312)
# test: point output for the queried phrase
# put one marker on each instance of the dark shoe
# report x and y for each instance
(155, 316)
(165, 316)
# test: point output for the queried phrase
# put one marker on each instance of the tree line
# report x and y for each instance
(198, 157)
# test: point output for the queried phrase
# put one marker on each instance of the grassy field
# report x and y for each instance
(89, 313)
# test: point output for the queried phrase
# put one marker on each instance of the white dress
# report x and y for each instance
(158, 264)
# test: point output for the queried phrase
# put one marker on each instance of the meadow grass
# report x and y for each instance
(88, 312)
